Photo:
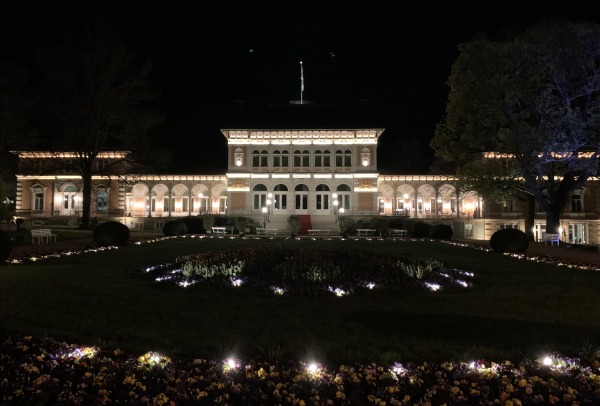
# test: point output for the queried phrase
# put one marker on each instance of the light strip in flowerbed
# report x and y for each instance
(33, 373)
(309, 271)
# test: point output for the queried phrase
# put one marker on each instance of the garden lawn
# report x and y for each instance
(515, 309)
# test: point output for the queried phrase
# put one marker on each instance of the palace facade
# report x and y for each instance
(272, 174)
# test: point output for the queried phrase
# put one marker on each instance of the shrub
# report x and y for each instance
(509, 240)
(241, 223)
(174, 227)
(421, 229)
(293, 223)
(441, 232)
(194, 225)
(209, 221)
(5, 247)
(111, 233)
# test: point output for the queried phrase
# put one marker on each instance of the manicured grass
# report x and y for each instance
(515, 309)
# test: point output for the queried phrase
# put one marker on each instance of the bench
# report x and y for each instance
(365, 232)
(266, 231)
(219, 230)
(319, 231)
(551, 238)
(42, 235)
(398, 233)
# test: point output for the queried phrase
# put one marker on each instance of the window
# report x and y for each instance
(102, 201)
(301, 158)
(259, 158)
(365, 157)
(38, 201)
(576, 204)
(322, 158)
(469, 230)
(505, 226)
(343, 196)
(259, 197)
(238, 157)
(280, 158)
(508, 206)
(343, 159)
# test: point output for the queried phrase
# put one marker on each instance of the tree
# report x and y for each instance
(535, 99)
(99, 98)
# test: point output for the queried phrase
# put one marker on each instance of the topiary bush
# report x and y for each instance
(111, 233)
(509, 240)
(441, 232)
(5, 247)
(174, 227)
(421, 229)
(194, 225)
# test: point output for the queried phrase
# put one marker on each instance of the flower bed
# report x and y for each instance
(45, 371)
(309, 270)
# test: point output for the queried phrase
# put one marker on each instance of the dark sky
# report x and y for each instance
(208, 54)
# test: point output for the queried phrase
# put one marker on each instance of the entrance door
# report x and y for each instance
(322, 199)
(69, 203)
(301, 199)
(538, 231)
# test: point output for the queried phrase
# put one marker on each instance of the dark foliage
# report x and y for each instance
(194, 225)
(421, 229)
(509, 240)
(441, 232)
(111, 233)
(174, 227)
(5, 247)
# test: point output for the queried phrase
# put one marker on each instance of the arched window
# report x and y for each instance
(238, 157)
(280, 158)
(259, 158)
(343, 158)
(343, 196)
(301, 159)
(280, 197)
(322, 158)
(259, 196)
(365, 157)
(322, 197)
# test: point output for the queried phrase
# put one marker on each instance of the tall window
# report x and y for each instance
(343, 158)
(38, 201)
(343, 196)
(301, 159)
(102, 201)
(322, 158)
(576, 204)
(259, 158)
(259, 197)
(280, 158)
(280, 197)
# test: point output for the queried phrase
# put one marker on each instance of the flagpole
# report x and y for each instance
(301, 82)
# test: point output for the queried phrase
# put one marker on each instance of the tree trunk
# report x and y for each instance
(530, 216)
(553, 219)
(87, 195)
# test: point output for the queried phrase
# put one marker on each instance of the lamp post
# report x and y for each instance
(340, 220)
(335, 204)
(265, 216)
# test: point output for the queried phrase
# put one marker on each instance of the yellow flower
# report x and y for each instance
(455, 390)
(340, 395)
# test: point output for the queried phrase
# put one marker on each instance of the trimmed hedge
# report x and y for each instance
(174, 227)
(421, 229)
(441, 232)
(5, 247)
(111, 233)
(194, 225)
(509, 240)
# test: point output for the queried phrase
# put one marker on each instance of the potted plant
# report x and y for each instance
(293, 224)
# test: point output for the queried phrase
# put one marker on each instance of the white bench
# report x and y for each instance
(266, 231)
(398, 233)
(42, 235)
(219, 230)
(551, 238)
(319, 231)
(365, 232)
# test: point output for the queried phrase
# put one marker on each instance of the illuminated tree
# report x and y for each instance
(535, 99)
(98, 98)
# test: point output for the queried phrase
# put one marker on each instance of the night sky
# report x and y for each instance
(393, 56)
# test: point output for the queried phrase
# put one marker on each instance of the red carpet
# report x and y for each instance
(305, 224)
